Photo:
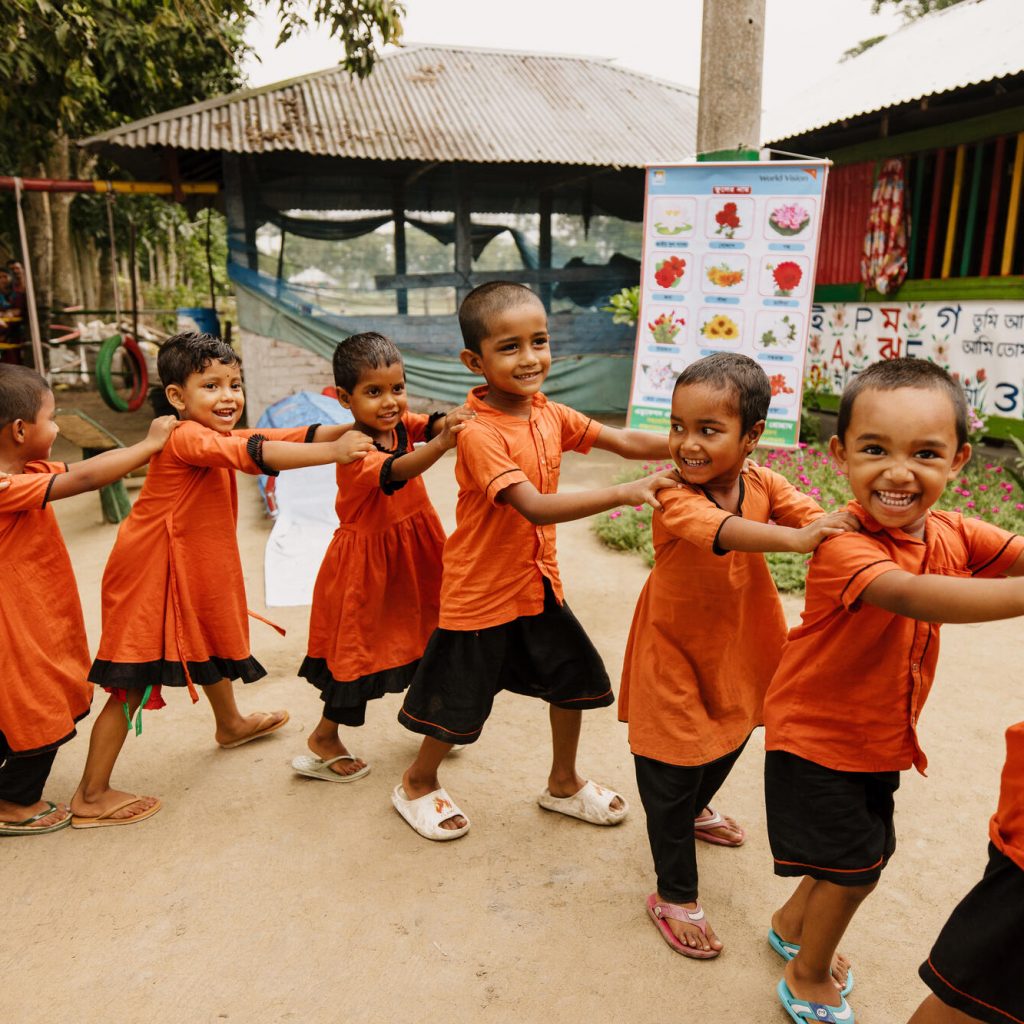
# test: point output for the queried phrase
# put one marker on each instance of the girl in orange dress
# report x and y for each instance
(174, 608)
(376, 597)
(44, 692)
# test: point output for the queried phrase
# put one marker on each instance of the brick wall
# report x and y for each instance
(275, 369)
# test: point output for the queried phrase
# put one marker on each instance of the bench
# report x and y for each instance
(93, 439)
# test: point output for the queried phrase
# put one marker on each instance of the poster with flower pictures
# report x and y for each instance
(728, 266)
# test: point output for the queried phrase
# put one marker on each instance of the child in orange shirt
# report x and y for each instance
(841, 711)
(376, 596)
(44, 692)
(503, 623)
(708, 628)
(976, 967)
(174, 608)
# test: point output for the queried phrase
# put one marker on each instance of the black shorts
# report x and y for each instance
(832, 825)
(977, 963)
(547, 656)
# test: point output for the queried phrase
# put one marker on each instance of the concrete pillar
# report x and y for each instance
(731, 58)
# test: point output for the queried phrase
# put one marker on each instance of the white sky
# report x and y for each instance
(803, 38)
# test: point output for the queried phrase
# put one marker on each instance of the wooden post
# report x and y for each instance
(545, 246)
(463, 232)
(954, 210)
(241, 229)
(398, 216)
(972, 210)
(988, 243)
(1013, 209)
(933, 219)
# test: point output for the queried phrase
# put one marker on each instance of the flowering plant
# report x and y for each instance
(789, 219)
(669, 272)
(728, 220)
(787, 275)
(665, 328)
(769, 338)
(724, 276)
(779, 385)
(720, 326)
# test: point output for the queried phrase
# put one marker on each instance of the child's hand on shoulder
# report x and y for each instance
(644, 491)
(352, 445)
(160, 431)
(830, 525)
(454, 424)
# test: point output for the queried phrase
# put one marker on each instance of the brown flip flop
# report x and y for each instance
(258, 733)
(104, 819)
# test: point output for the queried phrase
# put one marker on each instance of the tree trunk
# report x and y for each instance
(172, 255)
(40, 244)
(58, 166)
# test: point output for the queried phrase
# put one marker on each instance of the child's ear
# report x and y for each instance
(472, 361)
(176, 396)
(754, 435)
(962, 457)
(19, 430)
(344, 397)
(837, 450)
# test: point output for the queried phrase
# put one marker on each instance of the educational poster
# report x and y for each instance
(980, 343)
(728, 265)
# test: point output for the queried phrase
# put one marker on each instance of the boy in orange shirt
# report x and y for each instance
(708, 628)
(842, 709)
(977, 963)
(503, 623)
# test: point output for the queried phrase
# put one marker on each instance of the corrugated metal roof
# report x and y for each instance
(444, 103)
(972, 42)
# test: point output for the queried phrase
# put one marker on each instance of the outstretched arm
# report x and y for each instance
(738, 534)
(104, 469)
(545, 509)
(331, 432)
(632, 444)
(279, 455)
(421, 459)
(946, 598)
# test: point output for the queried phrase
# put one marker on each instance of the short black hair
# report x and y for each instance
(741, 375)
(182, 355)
(359, 351)
(21, 393)
(482, 304)
(890, 374)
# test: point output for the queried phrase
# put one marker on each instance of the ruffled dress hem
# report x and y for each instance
(337, 693)
(137, 675)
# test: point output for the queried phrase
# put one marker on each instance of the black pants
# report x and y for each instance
(22, 778)
(346, 716)
(672, 797)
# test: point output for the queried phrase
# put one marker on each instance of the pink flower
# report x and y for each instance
(1018, 506)
(970, 504)
(614, 515)
(982, 487)
(638, 508)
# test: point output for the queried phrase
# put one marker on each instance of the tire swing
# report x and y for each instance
(136, 377)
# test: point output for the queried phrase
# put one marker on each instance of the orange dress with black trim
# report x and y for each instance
(708, 629)
(377, 594)
(854, 678)
(174, 607)
(43, 648)
(1006, 829)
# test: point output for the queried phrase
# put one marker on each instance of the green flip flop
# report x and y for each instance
(24, 828)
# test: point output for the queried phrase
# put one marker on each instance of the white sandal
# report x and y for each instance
(425, 814)
(318, 768)
(591, 803)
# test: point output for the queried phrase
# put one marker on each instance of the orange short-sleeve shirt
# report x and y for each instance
(853, 678)
(1006, 828)
(708, 628)
(496, 561)
(43, 648)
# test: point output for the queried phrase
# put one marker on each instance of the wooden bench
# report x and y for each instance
(93, 439)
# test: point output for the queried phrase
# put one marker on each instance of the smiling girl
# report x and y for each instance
(376, 598)
(174, 606)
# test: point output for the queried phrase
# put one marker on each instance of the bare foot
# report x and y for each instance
(840, 963)
(689, 934)
(415, 788)
(13, 814)
(816, 990)
(103, 802)
(325, 749)
(250, 727)
(571, 785)
(729, 831)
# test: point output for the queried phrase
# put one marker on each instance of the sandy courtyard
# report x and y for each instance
(259, 896)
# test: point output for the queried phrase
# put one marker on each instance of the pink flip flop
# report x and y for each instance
(659, 911)
(701, 831)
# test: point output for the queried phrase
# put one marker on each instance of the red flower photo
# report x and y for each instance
(728, 220)
(668, 273)
(787, 276)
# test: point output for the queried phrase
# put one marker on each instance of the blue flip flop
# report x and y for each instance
(788, 950)
(803, 1011)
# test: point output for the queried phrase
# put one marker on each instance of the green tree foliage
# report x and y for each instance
(911, 10)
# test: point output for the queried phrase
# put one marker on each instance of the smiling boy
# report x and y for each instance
(503, 621)
(841, 712)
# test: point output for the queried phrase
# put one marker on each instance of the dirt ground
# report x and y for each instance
(256, 895)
